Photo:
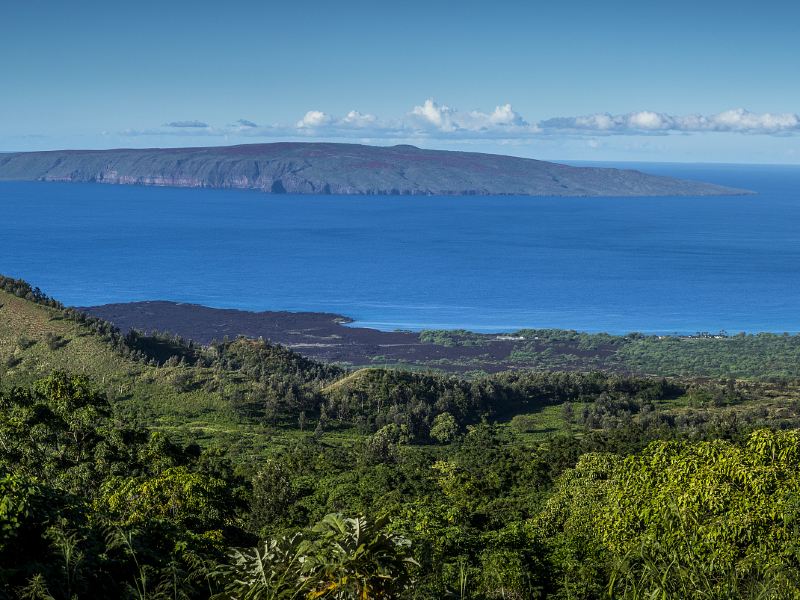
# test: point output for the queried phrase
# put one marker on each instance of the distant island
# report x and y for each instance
(326, 168)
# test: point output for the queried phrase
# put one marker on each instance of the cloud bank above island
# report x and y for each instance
(432, 120)
(730, 121)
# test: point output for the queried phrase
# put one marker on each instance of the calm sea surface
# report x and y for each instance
(481, 263)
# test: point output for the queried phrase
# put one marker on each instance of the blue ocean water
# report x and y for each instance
(667, 265)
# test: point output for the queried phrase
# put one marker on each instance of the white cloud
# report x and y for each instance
(505, 115)
(735, 121)
(314, 118)
(357, 119)
(647, 120)
(431, 120)
(743, 120)
(443, 119)
(433, 115)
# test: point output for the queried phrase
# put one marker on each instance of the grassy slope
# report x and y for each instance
(36, 339)
(197, 410)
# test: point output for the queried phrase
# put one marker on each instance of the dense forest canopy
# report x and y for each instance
(136, 466)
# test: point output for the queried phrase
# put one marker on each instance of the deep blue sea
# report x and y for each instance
(660, 265)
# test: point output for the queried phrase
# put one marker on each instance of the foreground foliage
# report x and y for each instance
(92, 508)
(380, 483)
(338, 558)
(681, 520)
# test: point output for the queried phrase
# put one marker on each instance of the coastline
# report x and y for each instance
(336, 338)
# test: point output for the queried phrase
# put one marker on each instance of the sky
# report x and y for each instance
(699, 81)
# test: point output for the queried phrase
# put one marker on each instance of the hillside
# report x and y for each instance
(189, 468)
(36, 340)
(324, 168)
(191, 393)
(227, 392)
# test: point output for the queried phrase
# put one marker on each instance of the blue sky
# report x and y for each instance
(679, 81)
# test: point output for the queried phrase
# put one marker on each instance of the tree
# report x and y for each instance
(445, 428)
(60, 431)
(680, 520)
(567, 527)
(568, 413)
(272, 497)
(383, 445)
(708, 520)
(195, 501)
(322, 422)
(504, 575)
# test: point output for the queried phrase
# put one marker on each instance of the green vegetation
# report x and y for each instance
(145, 467)
(452, 337)
(763, 356)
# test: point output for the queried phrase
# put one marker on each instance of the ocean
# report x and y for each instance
(654, 265)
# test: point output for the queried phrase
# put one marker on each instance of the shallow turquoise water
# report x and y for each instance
(481, 263)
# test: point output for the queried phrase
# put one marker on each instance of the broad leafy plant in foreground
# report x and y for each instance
(339, 558)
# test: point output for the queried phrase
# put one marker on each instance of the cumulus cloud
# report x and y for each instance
(318, 121)
(504, 115)
(314, 118)
(731, 121)
(743, 120)
(432, 120)
(189, 124)
(354, 125)
(443, 119)
(431, 114)
(357, 119)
